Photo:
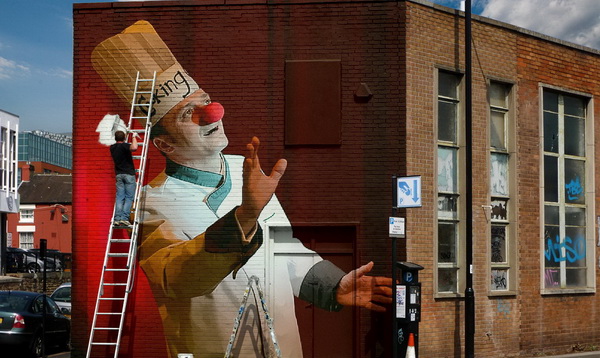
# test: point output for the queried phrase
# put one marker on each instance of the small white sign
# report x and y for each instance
(400, 301)
(408, 191)
(397, 227)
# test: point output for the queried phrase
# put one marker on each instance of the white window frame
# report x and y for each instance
(459, 220)
(590, 197)
(510, 224)
(23, 208)
(26, 244)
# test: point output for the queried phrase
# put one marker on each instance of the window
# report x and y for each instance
(502, 232)
(26, 240)
(313, 102)
(26, 213)
(449, 248)
(567, 239)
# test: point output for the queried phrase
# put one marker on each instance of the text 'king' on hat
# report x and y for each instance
(139, 48)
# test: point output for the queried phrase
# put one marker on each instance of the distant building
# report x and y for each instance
(9, 196)
(44, 152)
(9, 127)
(45, 213)
(45, 161)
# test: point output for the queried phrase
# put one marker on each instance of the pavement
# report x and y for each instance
(595, 354)
(571, 355)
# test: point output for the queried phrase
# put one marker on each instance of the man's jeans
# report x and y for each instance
(125, 193)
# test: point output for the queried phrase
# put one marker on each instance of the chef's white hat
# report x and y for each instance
(139, 48)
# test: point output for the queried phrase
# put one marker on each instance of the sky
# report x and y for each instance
(36, 48)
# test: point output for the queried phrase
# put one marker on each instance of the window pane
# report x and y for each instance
(448, 85)
(574, 216)
(447, 280)
(574, 181)
(552, 247)
(499, 209)
(499, 244)
(499, 174)
(550, 179)
(447, 242)
(550, 101)
(499, 280)
(447, 170)
(497, 135)
(574, 247)
(552, 278)
(574, 136)
(447, 206)
(574, 106)
(551, 132)
(551, 215)
(498, 95)
(447, 121)
(576, 277)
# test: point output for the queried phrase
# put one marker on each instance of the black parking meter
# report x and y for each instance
(408, 306)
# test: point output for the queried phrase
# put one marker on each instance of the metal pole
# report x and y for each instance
(469, 292)
(394, 307)
(43, 246)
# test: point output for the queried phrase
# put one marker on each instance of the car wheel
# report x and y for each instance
(33, 267)
(36, 346)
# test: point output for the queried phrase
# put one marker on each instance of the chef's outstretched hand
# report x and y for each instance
(358, 289)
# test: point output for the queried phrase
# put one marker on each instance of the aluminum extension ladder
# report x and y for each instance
(118, 270)
(238, 318)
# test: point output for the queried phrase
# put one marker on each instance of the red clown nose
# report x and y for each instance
(211, 113)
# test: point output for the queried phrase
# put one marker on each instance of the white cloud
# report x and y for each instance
(575, 21)
(9, 68)
(58, 72)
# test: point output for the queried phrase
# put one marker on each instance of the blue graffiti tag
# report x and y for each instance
(573, 250)
(574, 189)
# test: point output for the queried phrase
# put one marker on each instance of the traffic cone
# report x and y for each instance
(410, 350)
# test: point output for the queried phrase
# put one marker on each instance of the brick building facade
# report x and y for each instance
(533, 294)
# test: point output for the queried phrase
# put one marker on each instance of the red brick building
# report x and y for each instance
(45, 212)
(379, 86)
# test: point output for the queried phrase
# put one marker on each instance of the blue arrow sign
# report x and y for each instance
(408, 192)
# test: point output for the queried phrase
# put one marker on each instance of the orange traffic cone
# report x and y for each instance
(410, 350)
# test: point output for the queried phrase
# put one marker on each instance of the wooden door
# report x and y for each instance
(328, 334)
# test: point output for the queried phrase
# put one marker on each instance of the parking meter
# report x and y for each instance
(408, 306)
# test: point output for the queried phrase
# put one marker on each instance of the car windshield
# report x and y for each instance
(62, 294)
(13, 303)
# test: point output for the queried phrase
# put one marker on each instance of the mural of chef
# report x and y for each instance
(204, 214)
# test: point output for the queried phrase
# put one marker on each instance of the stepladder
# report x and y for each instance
(119, 266)
(254, 286)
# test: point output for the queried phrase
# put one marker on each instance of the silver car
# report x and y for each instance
(62, 297)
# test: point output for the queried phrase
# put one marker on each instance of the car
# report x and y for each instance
(52, 260)
(62, 297)
(20, 260)
(21, 323)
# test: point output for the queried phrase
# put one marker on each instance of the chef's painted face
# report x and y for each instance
(192, 129)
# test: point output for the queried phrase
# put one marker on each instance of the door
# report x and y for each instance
(328, 334)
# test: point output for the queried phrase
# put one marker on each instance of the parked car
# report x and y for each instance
(21, 323)
(53, 259)
(62, 297)
(20, 260)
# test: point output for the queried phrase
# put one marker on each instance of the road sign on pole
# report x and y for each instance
(397, 227)
(408, 192)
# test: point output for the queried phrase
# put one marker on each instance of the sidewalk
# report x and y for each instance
(595, 354)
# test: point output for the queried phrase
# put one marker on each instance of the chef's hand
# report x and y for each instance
(357, 289)
(258, 188)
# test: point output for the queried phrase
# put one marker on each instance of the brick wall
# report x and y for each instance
(236, 52)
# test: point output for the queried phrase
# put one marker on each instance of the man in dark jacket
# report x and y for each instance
(125, 177)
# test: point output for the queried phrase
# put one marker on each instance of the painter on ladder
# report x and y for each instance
(124, 177)
(202, 232)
